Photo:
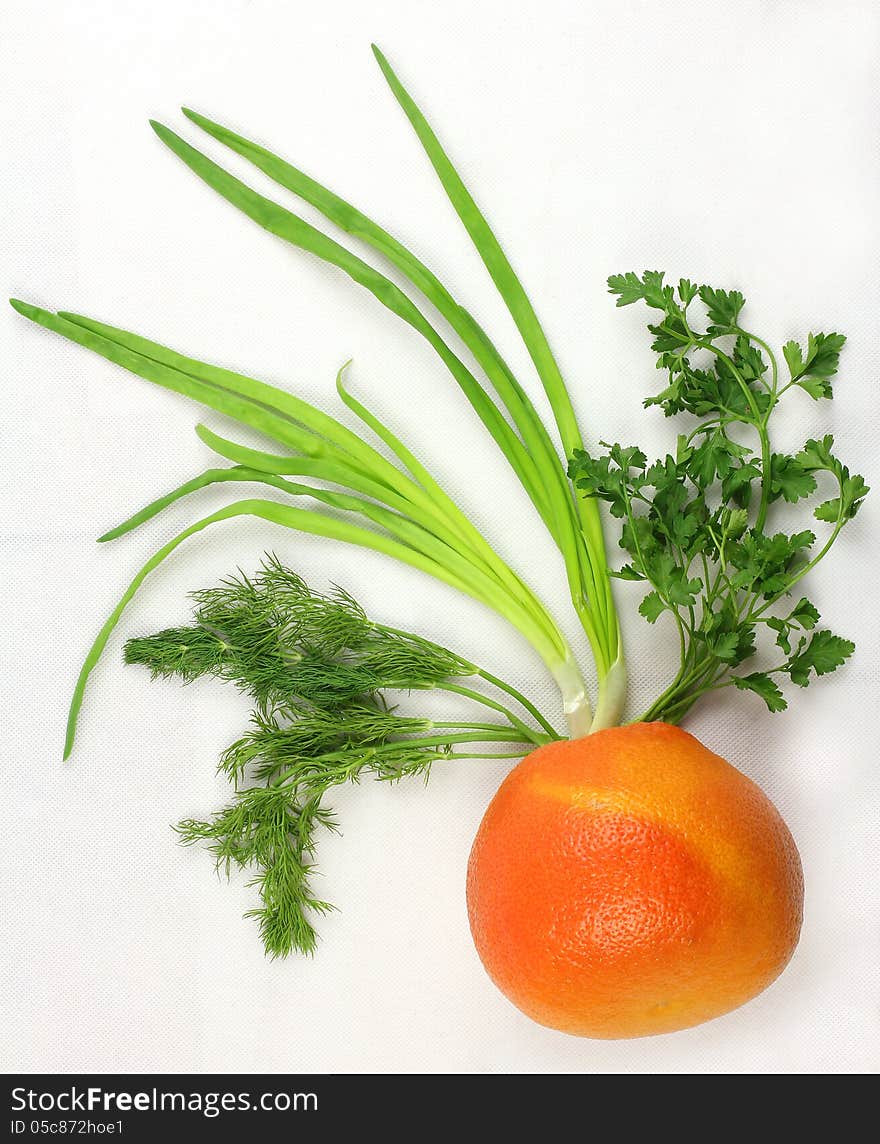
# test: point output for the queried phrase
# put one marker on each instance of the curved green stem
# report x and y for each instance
(305, 520)
(440, 501)
(531, 735)
(799, 575)
(520, 698)
(758, 421)
(765, 476)
(682, 683)
(480, 755)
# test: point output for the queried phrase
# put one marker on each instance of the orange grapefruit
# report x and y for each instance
(632, 882)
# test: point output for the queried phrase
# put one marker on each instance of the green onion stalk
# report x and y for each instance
(394, 507)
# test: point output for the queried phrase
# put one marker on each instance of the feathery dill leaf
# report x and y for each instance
(293, 736)
(279, 640)
(317, 669)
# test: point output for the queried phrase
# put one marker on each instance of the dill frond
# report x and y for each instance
(318, 670)
(280, 641)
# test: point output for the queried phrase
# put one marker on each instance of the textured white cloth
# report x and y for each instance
(732, 143)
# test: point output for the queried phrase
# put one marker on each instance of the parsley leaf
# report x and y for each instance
(816, 456)
(789, 478)
(762, 685)
(748, 359)
(627, 572)
(823, 654)
(649, 288)
(804, 614)
(817, 387)
(723, 306)
(652, 607)
(791, 351)
(696, 524)
(813, 370)
(853, 491)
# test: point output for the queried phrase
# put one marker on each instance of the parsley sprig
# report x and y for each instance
(695, 523)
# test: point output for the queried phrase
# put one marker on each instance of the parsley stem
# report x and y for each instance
(765, 475)
(802, 571)
(758, 420)
(774, 364)
(682, 683)
(706, 344)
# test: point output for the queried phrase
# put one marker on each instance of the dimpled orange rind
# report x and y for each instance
(631, 883)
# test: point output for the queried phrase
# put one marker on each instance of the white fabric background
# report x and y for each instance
(733, 143)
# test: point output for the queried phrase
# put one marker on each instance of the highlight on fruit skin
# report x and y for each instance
(632, 883)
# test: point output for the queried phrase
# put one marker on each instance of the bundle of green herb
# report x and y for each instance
(319, 672)
(695, 525)
(686, 520)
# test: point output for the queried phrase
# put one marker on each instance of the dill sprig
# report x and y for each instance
(263, 828)
(318, 670)
(279, 640)
(289, 739)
